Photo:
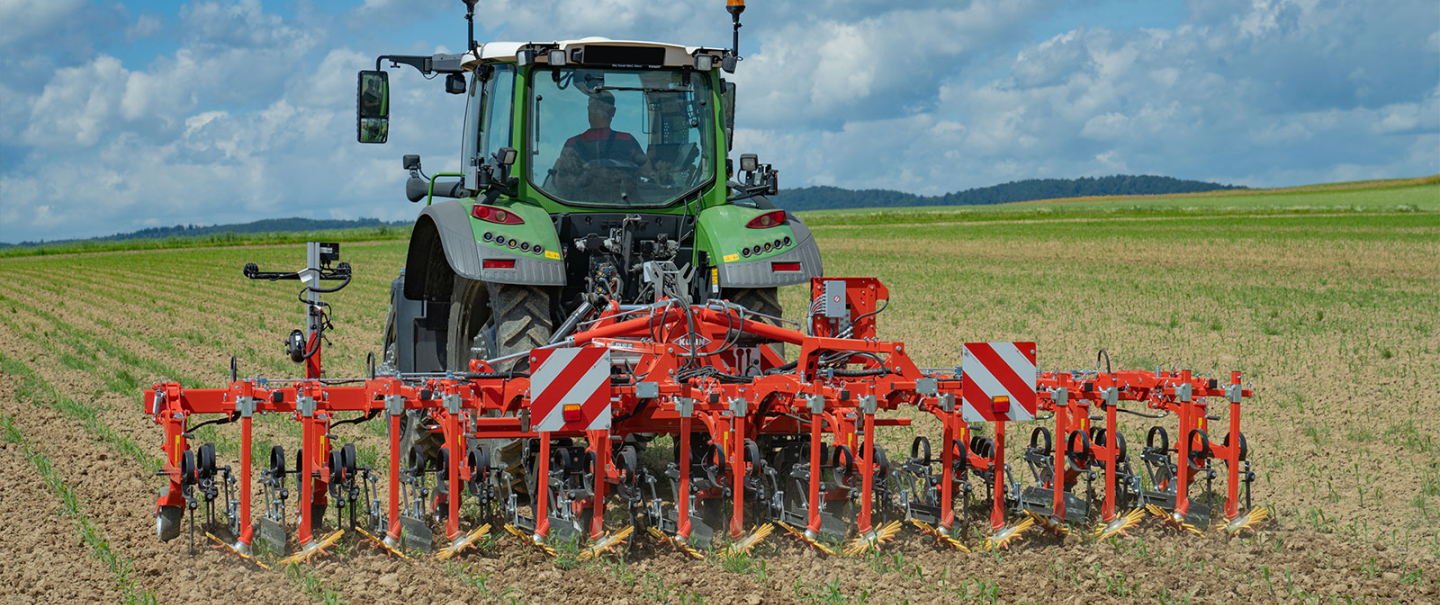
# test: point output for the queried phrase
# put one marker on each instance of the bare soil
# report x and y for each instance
(1339, 341)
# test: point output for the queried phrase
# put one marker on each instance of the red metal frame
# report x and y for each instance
(879, 377)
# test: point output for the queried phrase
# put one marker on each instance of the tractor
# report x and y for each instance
(595, 173)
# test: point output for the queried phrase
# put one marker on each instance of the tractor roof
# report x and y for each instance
(674, 55)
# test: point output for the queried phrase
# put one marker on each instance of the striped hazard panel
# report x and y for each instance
(998, 381)
(570, 389)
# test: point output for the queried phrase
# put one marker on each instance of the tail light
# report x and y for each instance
(498, 264)
(1000, 404)
(572, 413)
(491, 214)
(784, 266)
(767, 220)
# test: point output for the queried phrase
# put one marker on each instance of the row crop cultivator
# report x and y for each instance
(754, 441)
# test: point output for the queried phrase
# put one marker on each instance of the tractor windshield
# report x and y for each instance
(618, 137)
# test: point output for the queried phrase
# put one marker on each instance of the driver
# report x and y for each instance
(600, 147)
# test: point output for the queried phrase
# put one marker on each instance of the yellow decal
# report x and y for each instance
(177, 449)
(551, 254)
(730, 258)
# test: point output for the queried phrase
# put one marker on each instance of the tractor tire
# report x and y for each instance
(765, 301)
(493, 320)
(389, 349)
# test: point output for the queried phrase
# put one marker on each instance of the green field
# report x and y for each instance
(1326, 298)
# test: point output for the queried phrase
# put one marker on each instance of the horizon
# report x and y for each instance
(117, 234)
(156, 111)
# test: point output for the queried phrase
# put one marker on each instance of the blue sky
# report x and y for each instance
(116, 116)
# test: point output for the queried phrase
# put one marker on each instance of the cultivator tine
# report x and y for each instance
(806, 539)
(237, 551)
(384, 544)
(941, 537)
(1249, 521)
(680, 544)
(462, 542)
(1118, 525)
(316, 547)
(606, 543)
(1048, 524)
(1005, 535)
(745, 544)
(1174, 520)
(873, 539)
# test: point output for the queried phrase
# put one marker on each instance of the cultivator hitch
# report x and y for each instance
(755, 442)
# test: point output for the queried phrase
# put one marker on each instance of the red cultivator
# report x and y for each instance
(753, 440)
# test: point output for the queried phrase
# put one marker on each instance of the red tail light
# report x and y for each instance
(571, 412)
(767, 220)
(498, 264)
(784, 266)
(491, 214)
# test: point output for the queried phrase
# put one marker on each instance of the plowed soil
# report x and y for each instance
(1335, 319)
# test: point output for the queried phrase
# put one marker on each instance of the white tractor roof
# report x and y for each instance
(675, 55)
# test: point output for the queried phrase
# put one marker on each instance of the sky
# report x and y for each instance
(116, 116)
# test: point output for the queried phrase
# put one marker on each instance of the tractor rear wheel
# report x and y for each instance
(765, 301)
(493, 320)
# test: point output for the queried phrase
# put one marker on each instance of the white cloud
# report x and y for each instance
(250, 115)
(144, 27)
(27, 20)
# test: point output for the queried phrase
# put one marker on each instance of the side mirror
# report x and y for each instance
(372, 107)
(455, 84)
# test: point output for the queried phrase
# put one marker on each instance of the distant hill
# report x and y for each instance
(803, 198)
(274, 225)
(835, 198)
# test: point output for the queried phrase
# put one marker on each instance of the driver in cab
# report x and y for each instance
(600, 162)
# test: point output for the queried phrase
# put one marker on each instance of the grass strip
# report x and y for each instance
(122, 567)
(33, 389)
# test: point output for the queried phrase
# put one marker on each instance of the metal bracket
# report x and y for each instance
(395, 404)
(927, 386)
(159, 401)
(685, 406)
(816, 403)
(452, 403)
(947, 402)
(1182, 392)
(1233, 392)
(305, 405)
(739, 407)
(246, 406)
(647, 390)
(1060, 396)
(868, 404)
(1110, 395)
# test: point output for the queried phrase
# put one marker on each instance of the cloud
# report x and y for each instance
(27, 20)
(248, 114)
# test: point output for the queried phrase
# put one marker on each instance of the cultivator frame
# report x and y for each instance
(755, 438)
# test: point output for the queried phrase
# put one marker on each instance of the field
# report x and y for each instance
(1328, 299)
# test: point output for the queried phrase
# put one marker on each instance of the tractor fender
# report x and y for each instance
(443, 245)
(724, 236)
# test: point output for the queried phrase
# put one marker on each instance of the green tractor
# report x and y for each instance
(595, 173)
(584, 162)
